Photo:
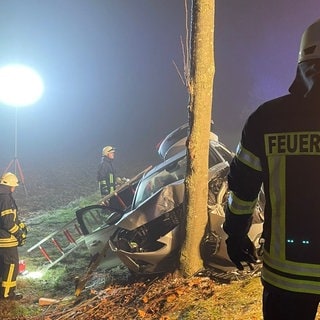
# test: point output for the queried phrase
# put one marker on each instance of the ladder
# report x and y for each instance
(60, 243)
(72, 235)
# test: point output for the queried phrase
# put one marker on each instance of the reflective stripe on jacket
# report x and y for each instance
(8, 219)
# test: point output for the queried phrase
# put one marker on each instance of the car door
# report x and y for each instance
(97, 223)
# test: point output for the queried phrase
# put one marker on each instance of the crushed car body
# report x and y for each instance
(148, 238)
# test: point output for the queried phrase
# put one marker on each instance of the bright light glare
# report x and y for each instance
(34, 274)
(20, 85)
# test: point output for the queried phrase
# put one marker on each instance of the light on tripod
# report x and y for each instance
(20, 86)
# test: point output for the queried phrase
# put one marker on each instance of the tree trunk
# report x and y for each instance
(200, 105)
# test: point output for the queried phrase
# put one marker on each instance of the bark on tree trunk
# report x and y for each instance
(200, 106)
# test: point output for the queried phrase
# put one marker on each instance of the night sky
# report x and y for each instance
(109, 77)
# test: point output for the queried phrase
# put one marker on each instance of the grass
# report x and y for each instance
(235, 301)
(238, 300)
(213, 301)
(57, 281)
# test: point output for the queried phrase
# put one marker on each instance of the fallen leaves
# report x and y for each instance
(138, 300)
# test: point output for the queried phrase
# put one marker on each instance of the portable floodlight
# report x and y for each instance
(20, 86)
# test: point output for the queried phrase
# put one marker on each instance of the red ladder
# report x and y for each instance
(60, 243)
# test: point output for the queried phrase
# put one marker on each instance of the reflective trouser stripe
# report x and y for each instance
(9, 280)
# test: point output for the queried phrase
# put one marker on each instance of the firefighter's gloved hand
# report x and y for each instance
(104, 192)
(241, 249)
(21, 237)
(119, 180)
(23, 227)
(22, 240)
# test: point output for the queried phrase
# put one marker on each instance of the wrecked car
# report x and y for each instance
(141, 224)
(148, 237)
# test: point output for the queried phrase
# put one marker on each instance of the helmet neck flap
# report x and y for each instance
(307, 81)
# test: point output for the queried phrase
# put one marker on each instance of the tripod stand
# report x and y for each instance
(16, 164)
(15, 161)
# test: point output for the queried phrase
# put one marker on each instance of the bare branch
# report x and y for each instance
(186, 56)
(179, 73)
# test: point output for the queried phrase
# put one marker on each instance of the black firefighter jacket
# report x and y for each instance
(280, 148)
(9, 222)
(106, 176)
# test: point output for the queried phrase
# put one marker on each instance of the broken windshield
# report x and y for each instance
(165, 175)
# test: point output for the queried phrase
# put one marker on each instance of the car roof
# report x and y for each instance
(175, 141)
(175, 157)
(166, 162)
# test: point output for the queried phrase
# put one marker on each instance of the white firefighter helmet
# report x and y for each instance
(106, 150)
(9, 179)
(310, 43)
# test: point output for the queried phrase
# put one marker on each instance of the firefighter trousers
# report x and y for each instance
(283, 305)
(9, 269)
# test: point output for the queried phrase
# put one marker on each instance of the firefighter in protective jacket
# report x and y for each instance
(106, 172)
(12, 234)
(280, 149)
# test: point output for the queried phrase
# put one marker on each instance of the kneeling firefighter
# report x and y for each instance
(12, 234)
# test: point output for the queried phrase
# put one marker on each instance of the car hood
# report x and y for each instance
(165, 200)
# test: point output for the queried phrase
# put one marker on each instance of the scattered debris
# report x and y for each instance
(47, 301)
(139, 300)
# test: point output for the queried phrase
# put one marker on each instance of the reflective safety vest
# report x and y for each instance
(280, 147)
